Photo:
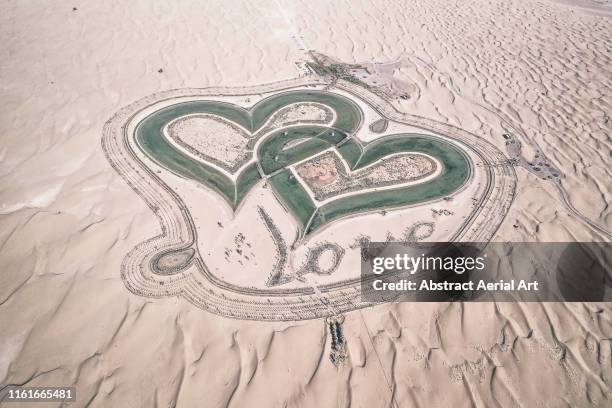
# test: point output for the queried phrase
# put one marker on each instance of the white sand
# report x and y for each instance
(208, 136)
(68, 219)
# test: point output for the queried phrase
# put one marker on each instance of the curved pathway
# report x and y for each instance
(196, 284)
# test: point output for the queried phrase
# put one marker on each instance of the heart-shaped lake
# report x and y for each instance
(230, 149)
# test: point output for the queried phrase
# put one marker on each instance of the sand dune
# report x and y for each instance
(67, 218)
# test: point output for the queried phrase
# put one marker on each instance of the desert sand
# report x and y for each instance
(537, 69)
